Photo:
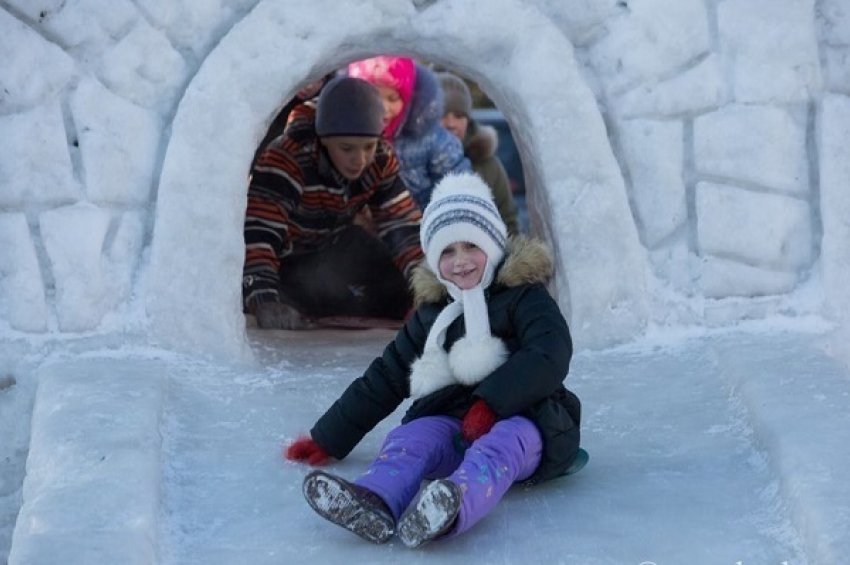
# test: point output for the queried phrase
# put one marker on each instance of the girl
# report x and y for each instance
(413, 107)
(484, 356)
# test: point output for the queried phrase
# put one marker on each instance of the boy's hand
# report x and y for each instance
(478, 421)
(306, 449)
(277, 316)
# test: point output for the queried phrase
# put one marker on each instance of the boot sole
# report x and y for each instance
(431, 516)
(334, 501)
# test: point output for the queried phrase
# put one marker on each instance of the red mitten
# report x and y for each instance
(306, 449)
(478, 421)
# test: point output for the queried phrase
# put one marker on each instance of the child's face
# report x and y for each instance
(463, 264)
(351, 155)
(310, 90)
(393, 104)
(456, 124)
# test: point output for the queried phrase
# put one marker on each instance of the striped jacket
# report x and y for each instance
(297, 201)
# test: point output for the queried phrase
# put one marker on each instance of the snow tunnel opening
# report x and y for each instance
(558, 170)
(448, 116)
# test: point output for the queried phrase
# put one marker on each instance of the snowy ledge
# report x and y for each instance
(92, 488)
(797, 400)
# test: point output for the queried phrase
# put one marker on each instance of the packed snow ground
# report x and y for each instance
(719, 449)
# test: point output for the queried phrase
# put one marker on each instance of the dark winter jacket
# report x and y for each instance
(425, 149)
(297, 201)
(480, 145)
(530, 383)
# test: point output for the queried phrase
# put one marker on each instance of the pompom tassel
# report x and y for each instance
(472, 361)
(430, 373)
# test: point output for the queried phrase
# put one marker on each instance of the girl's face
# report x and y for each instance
(393, 103)
(463, 264)
(351, 155)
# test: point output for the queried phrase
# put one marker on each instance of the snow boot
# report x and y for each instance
(355, 508)
(432, 515)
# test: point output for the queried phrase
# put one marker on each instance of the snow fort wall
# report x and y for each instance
(640, 126)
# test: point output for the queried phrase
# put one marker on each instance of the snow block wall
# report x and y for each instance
(673, 149)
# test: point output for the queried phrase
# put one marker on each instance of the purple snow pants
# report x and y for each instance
(424, 449)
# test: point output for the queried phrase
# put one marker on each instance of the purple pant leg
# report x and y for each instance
(421, 448)
(510, 452)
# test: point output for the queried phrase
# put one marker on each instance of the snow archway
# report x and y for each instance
(193, 291)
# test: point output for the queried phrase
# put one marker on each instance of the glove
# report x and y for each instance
(306, 449)
(278, 316)
(478, 421)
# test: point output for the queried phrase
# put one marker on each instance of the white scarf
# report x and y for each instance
(472, 357)
(461, 209)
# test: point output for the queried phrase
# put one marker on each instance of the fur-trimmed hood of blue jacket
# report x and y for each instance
(426, 150)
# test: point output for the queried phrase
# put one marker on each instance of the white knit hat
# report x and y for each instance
(461, 209)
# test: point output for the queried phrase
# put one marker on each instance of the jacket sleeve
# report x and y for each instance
(538, 367)
(373, 396)
(397, 217)
(446, 156)
(272, 195)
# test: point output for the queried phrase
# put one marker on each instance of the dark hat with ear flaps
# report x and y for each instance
(349, 107)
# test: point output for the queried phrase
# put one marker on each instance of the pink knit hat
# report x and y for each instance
(396, 72)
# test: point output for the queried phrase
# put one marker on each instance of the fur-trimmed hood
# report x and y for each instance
(481, 142)
(527, 261)
(426, 105)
